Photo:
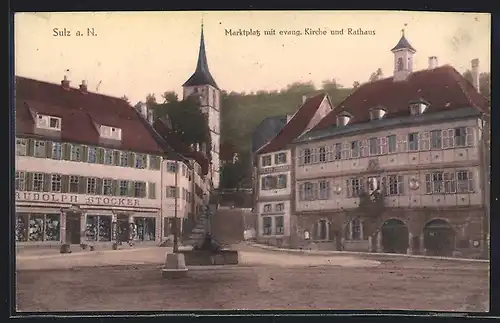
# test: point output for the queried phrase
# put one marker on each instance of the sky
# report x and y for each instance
(136, 53)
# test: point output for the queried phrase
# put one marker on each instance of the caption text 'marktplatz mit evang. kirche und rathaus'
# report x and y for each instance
(304, 32)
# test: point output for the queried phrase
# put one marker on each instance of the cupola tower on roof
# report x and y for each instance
(403, 58)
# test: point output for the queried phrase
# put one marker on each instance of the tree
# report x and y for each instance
(355, 85)
(300, 87)
(377, 75)
(484, 82)
(189, 123)
(331, 84)
(151, 100)
(125, 98)
(170, 96)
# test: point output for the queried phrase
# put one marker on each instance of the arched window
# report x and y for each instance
(323, 230)
(400, 64)
(409, 64)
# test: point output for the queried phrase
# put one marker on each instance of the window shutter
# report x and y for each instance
(402, 144)
(131, 159)
(400, 185)
(85, 154)
(314, 191)
(47, 181)
(116, 187)
(301, 192)
(131, 188)
(64, 183)
(82, 185)
(428, 184)
(30, 147)
(116, 157)
(48, 149)
(470, 177)
(66, 151)
(99, 186)
(29, 181)
(100, 155)
(469, 136)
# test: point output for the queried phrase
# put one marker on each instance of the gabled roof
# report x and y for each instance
(267, 129)
(81, 114)
(295, 126)
(444, 88)
(202, 75)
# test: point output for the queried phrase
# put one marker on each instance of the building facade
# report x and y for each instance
(398, 166)
(274, 176)
(203, 85)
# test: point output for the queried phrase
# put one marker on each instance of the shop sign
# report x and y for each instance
(75, 199)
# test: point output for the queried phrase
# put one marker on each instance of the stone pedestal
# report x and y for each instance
(409, 251)
(175, 266)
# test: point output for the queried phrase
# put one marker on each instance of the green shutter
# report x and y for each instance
(116, 157)
(116, 187)
(31, 147)
(85, 154)
(48, 149)
(66, 151)
(47, 181)
(82, 185)
(131, 188)
(152, 190)
(99, 186)
(100, 155)
(29, 181)
(131, 159)
(64, 183)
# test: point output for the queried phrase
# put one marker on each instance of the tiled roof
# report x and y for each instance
(80, 113)
(295, 126)
(444, 88)
(403, 44)
(202, 75)
(183, 149)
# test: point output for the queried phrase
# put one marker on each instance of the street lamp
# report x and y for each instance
(176, 225)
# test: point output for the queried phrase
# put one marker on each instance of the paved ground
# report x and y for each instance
(92, 281)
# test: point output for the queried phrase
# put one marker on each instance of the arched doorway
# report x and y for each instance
(439, 238)
(394, 236)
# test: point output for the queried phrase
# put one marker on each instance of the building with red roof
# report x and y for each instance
(398, 166)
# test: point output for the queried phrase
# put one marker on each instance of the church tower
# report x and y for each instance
(202, 84)
(403, 59)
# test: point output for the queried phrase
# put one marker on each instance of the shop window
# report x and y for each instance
(37, 227)
(145, 229)
(98, 228)
(22, 227)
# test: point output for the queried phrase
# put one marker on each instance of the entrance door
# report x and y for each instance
(73, 228)
(394, 236)
(123, 232)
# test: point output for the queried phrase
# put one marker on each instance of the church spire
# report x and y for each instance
(403, 43)
(202, 75)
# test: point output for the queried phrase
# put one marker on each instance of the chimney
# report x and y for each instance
(83, 86)
(304, 99)
(433, 62)
(65, 83)
(475, 73)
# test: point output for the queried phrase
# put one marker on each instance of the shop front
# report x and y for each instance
(47, 224)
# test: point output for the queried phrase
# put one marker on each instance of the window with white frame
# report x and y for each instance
(436, 139)
(322, 154)
(281, 181)
(107, 187)
(391, 144)
(424, 140)
(337, 151)
(123, 188)
(355, 148)
(76, 153)
(20, 181)
(21, 146)
(434, 183)
(280, 207)
(307, 156)
(170, 191)
(108, 157)
(48, 122)
(413, 141)
(374, 147)
(279, 225)
(307, 191)
(353, 187)
(323, 230)
(38, 182)
(140, 189)
(171, 167)
(92, 158)
(91, 185)
(356, 229)
(449, 182)
(465, 183)
(460, 137)
(267, 208)
(324, 190)
(280, 158)
(266, 161)
(394, 185)
(141, 161)
(39, 148)
(74, 183)
(56, 150)
(363, 148)
(267, 225)
(56, 183)
(111, 132)
(123, 159)
(268, 182)
(346, 150)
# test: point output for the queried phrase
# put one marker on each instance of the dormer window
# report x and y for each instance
(343, 119)
(377, 113)
(48, 122)
(111, 132)
(418, 107)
